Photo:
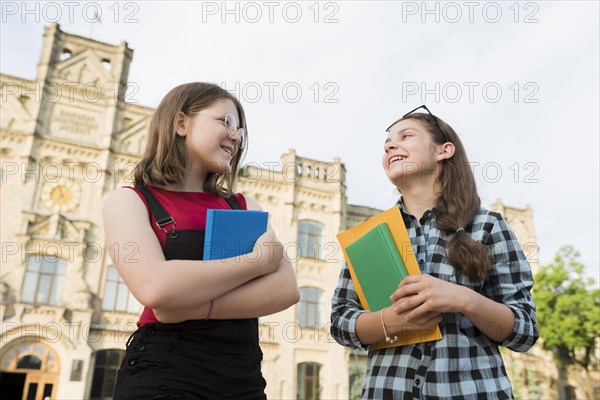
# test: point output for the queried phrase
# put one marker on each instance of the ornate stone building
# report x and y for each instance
(69, 137)
(308, 203)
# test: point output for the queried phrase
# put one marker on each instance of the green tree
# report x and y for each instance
(568, 314)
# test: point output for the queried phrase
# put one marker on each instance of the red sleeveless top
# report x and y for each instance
(189, 211)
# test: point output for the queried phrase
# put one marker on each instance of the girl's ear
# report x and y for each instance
(181, 124)
(445, 151)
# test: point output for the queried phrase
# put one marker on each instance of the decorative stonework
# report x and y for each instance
(119, 321)
(32, 314)
(55, 227)
(85, 67)
(82, 300)
(59, 151)
(75, 123)
(309, 270)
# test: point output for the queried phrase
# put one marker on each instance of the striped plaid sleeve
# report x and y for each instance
(509, 282)
(345, 309)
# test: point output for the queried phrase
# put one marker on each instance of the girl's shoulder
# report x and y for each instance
(491, 226)
(250, 202)
(485, 215)
(487, 221)
(123, 206)
(125, 194)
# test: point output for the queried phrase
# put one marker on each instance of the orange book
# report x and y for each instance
(393, 219)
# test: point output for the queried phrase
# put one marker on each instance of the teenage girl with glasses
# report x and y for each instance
(198, 332)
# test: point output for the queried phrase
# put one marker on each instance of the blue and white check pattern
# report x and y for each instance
(465, 364)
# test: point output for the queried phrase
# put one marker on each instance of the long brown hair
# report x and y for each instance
(458, 201)
(165, 160)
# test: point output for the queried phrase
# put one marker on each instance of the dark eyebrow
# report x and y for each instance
(401, 132)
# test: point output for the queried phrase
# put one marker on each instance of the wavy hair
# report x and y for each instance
(458, 201)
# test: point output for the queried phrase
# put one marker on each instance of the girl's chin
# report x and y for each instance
(394, 176)
(400, 180)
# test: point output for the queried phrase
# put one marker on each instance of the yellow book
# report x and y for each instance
(395, 223)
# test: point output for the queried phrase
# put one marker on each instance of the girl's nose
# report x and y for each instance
(235, 136)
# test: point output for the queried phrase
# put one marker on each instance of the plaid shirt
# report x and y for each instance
(465, 364)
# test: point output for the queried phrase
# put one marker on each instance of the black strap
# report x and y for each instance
(161, 215)
(232, 201)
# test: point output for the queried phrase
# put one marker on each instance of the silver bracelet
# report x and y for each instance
(390, 340)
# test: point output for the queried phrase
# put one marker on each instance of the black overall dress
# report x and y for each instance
(196, 359)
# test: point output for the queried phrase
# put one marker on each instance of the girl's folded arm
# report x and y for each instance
(157, 283)
(265, 295)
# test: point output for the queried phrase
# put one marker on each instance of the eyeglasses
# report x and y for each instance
(412, 111)
(231, 124)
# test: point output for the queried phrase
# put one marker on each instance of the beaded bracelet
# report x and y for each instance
(390, 340)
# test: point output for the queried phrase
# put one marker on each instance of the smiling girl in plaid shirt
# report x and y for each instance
(475, 282)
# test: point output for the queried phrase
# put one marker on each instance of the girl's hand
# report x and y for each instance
(268, 252)
(397, 322)
(418, 296)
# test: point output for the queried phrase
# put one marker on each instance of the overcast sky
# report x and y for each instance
(519, 82)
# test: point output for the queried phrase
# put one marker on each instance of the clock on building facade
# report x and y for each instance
(63, 196)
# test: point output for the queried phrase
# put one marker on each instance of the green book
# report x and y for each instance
(377, 265)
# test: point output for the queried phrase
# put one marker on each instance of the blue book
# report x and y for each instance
(231, 233)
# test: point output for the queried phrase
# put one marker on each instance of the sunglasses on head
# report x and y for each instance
(412, 111)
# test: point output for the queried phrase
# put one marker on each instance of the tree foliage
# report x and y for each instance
(568, 309)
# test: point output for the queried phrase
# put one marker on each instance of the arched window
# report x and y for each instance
(309, 307)
(29, 356)
(310, 239)
(66, 54)
(308, 387)
(105, 373)
(29, 362)
(106, 64)
(117, 296)
(28, 370)
(44, 280)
